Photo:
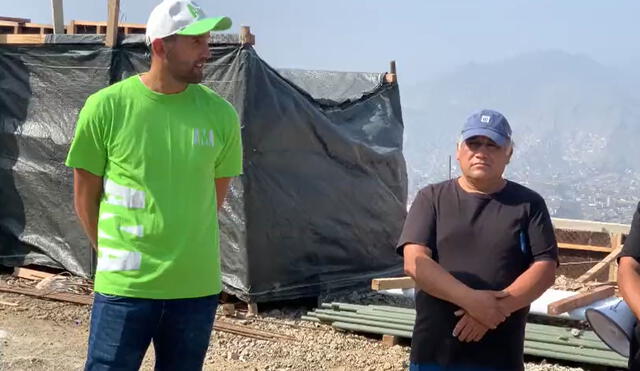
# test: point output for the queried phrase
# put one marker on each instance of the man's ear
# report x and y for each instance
(158, 48)
(509, 154)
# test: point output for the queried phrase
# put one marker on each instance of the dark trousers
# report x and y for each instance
(634, 352)
(122, 329)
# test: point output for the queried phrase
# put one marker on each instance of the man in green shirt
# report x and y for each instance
(153, 156)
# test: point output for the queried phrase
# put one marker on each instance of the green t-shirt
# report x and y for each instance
(159, 156)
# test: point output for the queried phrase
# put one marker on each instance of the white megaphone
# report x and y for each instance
(613, 322)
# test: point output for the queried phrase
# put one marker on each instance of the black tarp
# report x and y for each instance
(323, 195)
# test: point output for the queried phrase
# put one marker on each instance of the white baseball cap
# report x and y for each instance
(181, 17)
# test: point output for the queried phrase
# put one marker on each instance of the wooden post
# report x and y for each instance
(71, 28)
(390, 340)
(112, 24)
(599, 266)
(246, 37)
(391, 76)
(57, 16)
(229, 310)
(616, 244)
(252, 309)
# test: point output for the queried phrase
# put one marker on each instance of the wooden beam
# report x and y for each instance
(12, 19)
(22, 39)
(246, 37)
(378, 284)
(573, 246)
(247, 331)
(616, 242)
(391, 77)
(112, 23)
(580, 300)
(390, 340)
(31, 274)
(590, 226)
(71, 298)
(588, 275)
(57, 16)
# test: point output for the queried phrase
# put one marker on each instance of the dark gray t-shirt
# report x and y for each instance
(631, 248)
(486, 242)
(632, 242)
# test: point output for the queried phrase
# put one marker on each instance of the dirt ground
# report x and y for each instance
(38, 334)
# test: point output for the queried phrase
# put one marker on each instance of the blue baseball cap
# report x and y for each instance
(490, 124)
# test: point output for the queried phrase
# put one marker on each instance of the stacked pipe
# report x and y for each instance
(546, 341)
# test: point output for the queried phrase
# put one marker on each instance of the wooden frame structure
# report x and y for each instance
(22, 31)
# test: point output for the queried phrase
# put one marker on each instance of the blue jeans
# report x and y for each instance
(122, 329)
(434, 367)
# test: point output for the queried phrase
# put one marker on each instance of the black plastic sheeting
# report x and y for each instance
(323, 195)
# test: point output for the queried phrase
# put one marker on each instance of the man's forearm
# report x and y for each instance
(435, 280)
(87, 212)
(222, 187)
(530, 285)
(629, 283)
(87, 190)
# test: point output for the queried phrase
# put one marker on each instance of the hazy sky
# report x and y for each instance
(424, 37)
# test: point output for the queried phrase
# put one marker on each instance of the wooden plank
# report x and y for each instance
(590, 226)
(31, 274)
(9, 23)
(112, 23)
(573, 246)
(580, 300)
(390, 340)
(71, 298)
(616, 242)
(391, 76)
(604, 263)
(103, 23)
(17, 20)
(249, 331)
(22, 39)
(378, 284)
(57, 15)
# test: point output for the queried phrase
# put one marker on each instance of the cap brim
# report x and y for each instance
(206, 25)
(499, 139)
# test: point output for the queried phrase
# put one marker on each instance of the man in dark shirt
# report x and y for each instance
(481, 249)
(629, 283)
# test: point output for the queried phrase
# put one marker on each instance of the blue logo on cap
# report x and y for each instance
(490, 124)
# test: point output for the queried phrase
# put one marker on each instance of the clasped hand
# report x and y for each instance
(484, 310)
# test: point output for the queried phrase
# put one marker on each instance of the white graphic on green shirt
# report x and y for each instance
(203, 137)
(117, 260)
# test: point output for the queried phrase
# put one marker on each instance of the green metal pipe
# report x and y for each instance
(539, 350)
(366, 316)
(386, 314)
(371, 329)
(386, 308)
(309, 318)
(359, 321)
(583, 344)
(568, 349)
